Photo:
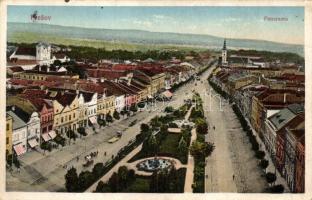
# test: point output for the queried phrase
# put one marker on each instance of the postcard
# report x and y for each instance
(155, 100)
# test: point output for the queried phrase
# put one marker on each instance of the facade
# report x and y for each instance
(65, 109)
(43, 53)
(9, 133)
(87, 108)
(19, 132)
(105, 105)
(300, 166)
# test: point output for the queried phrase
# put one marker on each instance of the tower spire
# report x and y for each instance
(224, 44)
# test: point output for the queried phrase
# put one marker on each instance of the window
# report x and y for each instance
(7, 140)
(69, 117)
(74, 116)
(7, 126)
(62, 120)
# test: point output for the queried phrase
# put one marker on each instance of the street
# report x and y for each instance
(232, 166)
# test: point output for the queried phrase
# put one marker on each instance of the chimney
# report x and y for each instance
(285, 97)
(47, 90)
(77, 92)
(48, 68)
(39, 68)
(13, 108)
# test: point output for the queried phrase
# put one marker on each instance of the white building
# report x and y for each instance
(120, 102)
(87, 108)
(19, 134)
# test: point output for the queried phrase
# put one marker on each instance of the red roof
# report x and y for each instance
(16, 69)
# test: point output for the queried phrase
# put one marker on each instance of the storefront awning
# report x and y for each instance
(167, 94)
(52, 134)
(93, 119)
(19, 149)
(32, 143)
(46, 137)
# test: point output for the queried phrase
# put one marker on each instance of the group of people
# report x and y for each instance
(91, 155)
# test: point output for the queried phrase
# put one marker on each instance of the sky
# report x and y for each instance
(227, 22)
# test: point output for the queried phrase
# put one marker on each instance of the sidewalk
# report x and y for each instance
(271, 167)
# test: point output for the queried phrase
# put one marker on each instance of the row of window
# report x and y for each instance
(47, 118)
(107, 105)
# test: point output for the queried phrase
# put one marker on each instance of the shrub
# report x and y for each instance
(59, 140)
(169, 109)
(270, 177)
(46, 146)
(260, 154)
(82, 131)
(277, 189)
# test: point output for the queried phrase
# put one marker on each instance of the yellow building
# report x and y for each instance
(105, 105)
(9, 132)
(65, 109)
(42, 76)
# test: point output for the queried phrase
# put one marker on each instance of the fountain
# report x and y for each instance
(153, 164)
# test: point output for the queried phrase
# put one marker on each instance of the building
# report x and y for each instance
(300, 166)
(87, 108)
(224, 61)
(32, 121)
(276, 125)
(105, 105)
(19, 133)
(271, 100)
(9, 133)
(65, 110)
(294, 131)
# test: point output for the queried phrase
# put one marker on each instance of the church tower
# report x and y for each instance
(224, 54)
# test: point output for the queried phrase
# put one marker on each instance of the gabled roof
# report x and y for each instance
(17, 121)
(24, 116)
(26, 51)
(16, 69)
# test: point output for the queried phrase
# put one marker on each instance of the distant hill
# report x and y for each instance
(141, 37)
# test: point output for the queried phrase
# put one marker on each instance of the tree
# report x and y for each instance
(201, 149)
(71, 135)
(144, 128)
(81, 130)
(277, 189)
(152, 144)
(182, 147)
(85, 179)
(109, 118)
(264, 164)
(169, 109)
(101, 122)
(201, 126)
(98, 169)
(71, 180)
(100, 187)
(123, 176)
(113, 182)
(270, 177)
(133, 108)
(141, 105)
(116, 115)
(260, 154)
(57, 63)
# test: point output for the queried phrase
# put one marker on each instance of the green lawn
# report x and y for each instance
(140, 185)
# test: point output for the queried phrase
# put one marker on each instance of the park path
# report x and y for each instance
(189, 178)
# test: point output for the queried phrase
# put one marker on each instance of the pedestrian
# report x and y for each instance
(105, 153)
(77, 158)
(233, 177)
